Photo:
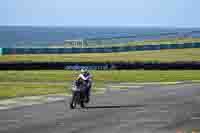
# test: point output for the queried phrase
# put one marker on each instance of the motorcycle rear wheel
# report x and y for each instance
(82, 104)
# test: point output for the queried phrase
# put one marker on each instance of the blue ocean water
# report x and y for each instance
(27, 36)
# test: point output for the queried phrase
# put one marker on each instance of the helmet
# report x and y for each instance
(84, 70)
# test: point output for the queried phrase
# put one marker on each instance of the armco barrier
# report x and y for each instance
(53, 66)
(96, 50)
(100, 66)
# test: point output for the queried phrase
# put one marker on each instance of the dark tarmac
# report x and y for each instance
(145, 109)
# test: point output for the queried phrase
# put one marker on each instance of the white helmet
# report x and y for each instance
(84, 70)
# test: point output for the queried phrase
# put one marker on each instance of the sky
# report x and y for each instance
(162, 13)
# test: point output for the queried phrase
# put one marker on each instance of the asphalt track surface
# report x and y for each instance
(146, 109)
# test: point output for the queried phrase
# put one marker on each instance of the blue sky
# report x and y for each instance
(167, 13)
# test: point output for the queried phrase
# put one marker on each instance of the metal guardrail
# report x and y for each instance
(99, 66)
(8, 51)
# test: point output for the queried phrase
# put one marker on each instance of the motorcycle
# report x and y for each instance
(78, 95)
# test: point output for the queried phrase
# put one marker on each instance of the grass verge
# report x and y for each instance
(19, 89)
(57, 76)
(28, 83)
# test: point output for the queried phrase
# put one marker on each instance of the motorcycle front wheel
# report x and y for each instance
(73, 101)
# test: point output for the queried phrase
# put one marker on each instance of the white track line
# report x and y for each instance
(195, 118)
(150, 83)
(4, 108)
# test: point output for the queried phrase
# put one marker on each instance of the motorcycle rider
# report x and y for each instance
(87, 78)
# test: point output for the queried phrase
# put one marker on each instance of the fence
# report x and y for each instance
(99, 66)
(5, 51)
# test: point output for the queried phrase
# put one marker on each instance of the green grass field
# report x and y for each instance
(61, 76)
(191, 54)
(20, 89)
(28, 83)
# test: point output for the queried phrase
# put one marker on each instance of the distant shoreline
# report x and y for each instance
(137, 43)
(45, 36)
(100, 26)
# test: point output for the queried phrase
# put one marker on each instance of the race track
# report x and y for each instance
(136, 109)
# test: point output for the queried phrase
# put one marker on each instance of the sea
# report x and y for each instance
(38, 36)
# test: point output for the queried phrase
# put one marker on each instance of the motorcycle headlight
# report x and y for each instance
(74, 88)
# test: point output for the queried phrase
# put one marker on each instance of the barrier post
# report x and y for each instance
(1, 51)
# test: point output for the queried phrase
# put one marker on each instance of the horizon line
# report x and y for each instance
(97, 26)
